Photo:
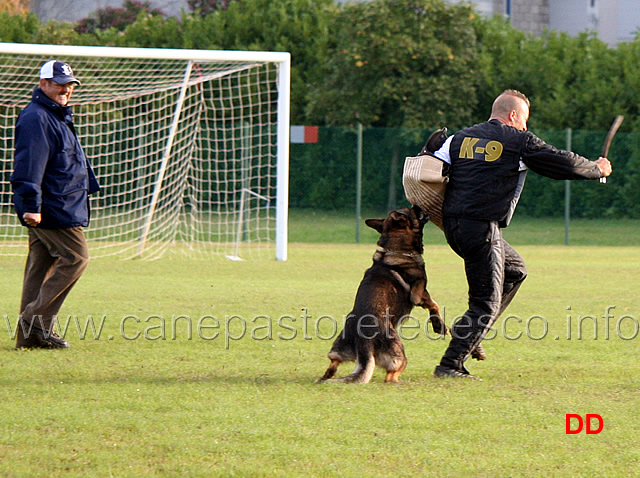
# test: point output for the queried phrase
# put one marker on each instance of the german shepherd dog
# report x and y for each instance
(390, 288)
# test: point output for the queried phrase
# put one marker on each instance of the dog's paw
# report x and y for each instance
(438, 325)
(478, 353)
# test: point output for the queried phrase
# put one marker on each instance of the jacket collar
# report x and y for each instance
(38, 96)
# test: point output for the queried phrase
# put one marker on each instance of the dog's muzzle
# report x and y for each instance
(421, 215)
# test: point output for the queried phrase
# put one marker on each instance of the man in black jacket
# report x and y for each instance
(488, 165)
(51, 182)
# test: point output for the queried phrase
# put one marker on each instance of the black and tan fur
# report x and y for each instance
(391, 287)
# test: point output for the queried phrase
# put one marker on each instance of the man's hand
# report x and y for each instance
(32, 218)
(605, 166)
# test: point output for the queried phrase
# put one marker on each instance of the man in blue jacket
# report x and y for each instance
(51, 184)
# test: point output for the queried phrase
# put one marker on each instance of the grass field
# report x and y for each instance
(144, 395)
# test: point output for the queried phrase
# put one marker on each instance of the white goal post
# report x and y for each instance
(191, 147)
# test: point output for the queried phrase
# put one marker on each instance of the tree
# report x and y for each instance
(301, 27)
(18, 28)
(399, 63)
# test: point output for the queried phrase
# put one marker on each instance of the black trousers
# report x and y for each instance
(494, 272)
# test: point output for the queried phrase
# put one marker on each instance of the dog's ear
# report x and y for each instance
(399, 218)
(376, 224)
(435, 141)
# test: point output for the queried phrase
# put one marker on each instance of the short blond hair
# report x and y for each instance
(507, 101)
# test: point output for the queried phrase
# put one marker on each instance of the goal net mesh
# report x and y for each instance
(185, 153)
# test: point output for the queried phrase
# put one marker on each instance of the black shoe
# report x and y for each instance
(37, 339)
(446, 372)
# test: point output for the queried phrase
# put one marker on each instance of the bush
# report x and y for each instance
(18, 28)
(205, 7)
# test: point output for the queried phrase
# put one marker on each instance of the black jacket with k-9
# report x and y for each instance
(488, 167)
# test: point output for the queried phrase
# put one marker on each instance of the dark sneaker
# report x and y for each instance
(478, 353)
(39, 340)
(59, 341)
(446, 372)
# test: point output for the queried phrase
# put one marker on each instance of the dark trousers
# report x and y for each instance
(57, 258)
(494, 272)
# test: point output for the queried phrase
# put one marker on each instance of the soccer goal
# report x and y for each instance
(191, 147)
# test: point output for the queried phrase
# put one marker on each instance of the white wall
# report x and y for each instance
(72, 10)
(628, 16)
(569, 16)
(614, 20)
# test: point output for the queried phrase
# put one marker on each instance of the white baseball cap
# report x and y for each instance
(58, 71)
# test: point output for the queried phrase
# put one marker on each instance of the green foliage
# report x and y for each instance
(398, 63)
(572, 82)
(205, 7)
(56, 33)
(18, 28)
(301, 27)
(148, 31)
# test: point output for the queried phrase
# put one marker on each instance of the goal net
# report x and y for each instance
(190, 147)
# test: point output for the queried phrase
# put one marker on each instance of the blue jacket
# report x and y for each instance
(51, 174)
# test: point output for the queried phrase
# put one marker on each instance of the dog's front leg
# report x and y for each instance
(420, 297)
(439, 327)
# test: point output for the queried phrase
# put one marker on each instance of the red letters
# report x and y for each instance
(569, 430)
(581, 423)
(600, 423)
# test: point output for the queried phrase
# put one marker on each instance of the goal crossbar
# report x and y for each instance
(146, 53)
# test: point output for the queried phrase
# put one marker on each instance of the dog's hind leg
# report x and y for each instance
(363, 371)
(331, 371)
(393, 359)
(365, 364)
(341, 351)
(393, 376)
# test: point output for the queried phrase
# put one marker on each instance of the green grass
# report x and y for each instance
(339, 227)
(191, 406)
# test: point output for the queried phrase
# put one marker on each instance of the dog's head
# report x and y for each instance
(401, 230)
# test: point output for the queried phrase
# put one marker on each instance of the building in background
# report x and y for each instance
(614, 20)
(73, 10)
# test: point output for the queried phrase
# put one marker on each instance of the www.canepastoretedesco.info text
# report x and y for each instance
(307, 326)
